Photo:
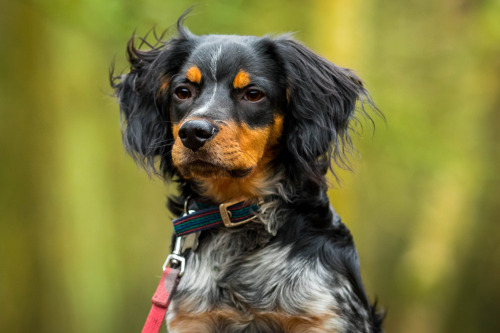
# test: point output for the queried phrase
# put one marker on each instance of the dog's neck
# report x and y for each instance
(220, 190)
(268, 188)
(259, 183)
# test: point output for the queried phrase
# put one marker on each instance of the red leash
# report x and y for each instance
(161, 300)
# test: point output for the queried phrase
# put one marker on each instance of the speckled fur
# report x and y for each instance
(252, 273)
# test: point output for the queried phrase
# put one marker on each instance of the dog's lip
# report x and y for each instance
(201, 163)
(198, 158)
(203, 169)
(209, 167)
(197, 163)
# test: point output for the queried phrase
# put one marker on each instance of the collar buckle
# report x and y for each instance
(226, 215)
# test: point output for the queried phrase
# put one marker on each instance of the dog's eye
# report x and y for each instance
(182, 93)
(254, 95)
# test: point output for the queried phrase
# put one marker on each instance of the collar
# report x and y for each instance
(228, 214)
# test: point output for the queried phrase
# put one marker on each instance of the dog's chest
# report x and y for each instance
(227, 288)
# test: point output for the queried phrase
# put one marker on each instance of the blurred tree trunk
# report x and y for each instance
(27, 131)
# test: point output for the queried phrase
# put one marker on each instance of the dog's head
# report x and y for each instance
(228, 111)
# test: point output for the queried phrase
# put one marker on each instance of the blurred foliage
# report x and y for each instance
(84, 231)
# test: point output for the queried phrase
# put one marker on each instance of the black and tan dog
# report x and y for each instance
(242, 118)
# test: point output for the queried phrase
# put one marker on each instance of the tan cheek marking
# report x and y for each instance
(177, 149)
(175, 130)
(193, 74)
(253, 141)
(249, 144)
(241, 80)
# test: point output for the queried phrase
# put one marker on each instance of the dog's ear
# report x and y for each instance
(144, 99)
(321, 100)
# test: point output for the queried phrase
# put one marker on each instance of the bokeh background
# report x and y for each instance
(84, 231)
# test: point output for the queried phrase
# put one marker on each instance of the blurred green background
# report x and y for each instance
(84, 232)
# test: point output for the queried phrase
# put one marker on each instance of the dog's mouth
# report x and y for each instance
(213, 161)
(199, 168)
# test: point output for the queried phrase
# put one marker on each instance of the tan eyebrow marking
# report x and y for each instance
(241, 80)
(193, 74)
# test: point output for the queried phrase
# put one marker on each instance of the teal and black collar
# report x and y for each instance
(229, 214)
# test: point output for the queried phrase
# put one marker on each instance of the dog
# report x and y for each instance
(253, 121)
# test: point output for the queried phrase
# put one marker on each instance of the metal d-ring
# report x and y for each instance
(186, 204)
(175, 258)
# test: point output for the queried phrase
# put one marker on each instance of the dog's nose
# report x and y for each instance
(195, 133)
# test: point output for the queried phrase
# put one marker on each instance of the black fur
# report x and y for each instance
(147, 134)
(322, 100)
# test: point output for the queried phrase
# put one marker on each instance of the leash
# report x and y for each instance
(191, 224)
(161, 300)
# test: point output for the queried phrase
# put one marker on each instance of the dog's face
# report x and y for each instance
(226, 110)
(229, 112)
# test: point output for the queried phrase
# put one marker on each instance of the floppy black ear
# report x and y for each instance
(144, 99)
(321, 101)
